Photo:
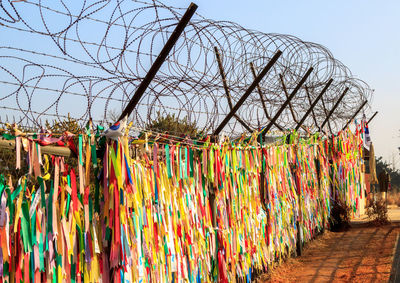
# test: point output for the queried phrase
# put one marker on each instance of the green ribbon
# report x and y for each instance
(16, 193)
(80, 149)
(8, 137)
(168, 157)
(99, 130)
(41, 256)
(26, 239)
(191, 163)
(94, 155)
(186, 163)
(90, 210)
(33, 229)
(68, 197)
(50, 209)
(73, 273)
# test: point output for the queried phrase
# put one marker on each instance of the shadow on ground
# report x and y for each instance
(362, 254)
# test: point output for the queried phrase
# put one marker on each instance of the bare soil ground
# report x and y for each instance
(362, 254)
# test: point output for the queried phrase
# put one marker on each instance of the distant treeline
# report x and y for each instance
(394, 174)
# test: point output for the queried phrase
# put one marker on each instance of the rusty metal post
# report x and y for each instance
(227, 93)
(248, 92)
(253, 70)
(334, 107)
(373, 116)
(355, 114)
(303, 79)
(312, 110)
(287, 95)
(313, 105)
(262, 168)
(159, 60)
(326, 114)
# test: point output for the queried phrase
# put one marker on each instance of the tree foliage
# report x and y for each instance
(68, 124)
(173, 125)
(382, 165)
(164, 123)
(377, 212)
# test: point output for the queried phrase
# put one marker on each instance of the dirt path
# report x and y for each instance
(362, 254)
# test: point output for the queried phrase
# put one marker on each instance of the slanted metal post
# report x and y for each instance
(268, 127)
(313, 105)
(159, 60)
(373, 116)
(247, 93)
(287, 95)
(227, 93)
(334, 107)
(326, 114)
(262, 169)
(253, 70)
(312, 110)
(355, 114)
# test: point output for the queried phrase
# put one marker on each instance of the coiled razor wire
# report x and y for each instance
(87, 58)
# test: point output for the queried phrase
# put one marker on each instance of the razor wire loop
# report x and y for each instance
(101, 70)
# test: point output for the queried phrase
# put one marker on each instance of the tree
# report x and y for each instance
(382, 165)
(173, 125)
(165, 124)
(68, 124)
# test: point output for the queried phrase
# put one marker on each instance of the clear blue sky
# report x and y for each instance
(363, 34)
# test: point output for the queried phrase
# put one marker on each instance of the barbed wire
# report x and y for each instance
(92, 55)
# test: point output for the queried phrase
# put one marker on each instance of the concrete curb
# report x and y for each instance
(395, 271)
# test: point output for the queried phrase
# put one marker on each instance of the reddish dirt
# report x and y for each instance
(362, 254)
